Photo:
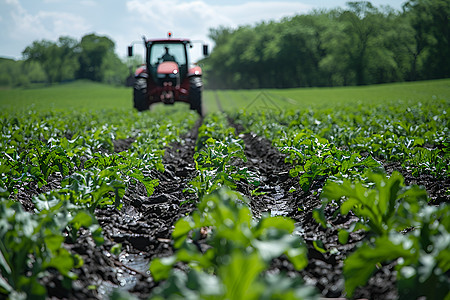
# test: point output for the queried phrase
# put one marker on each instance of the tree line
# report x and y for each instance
(360, 44)
(67, 59)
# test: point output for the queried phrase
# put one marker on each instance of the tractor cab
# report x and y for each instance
(167, 75)
(168, 62)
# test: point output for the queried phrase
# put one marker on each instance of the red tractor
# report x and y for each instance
(167, 75)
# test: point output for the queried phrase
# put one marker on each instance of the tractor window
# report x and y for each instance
(168, 52)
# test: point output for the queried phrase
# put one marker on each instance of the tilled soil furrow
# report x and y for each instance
(280, 194)
(143, 226)
(145, 223)
(274, 195)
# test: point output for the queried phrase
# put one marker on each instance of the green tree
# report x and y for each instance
(33, 71)
(114, 70)
(20, 74)
(430, 20)
(58, 60)
(360, 27)
(43, 52)
(67, 57)
(93, 51)
(216, 73)
(243, 60)
(8, 70)
(301, 43)
(386, 56)
(360, 44)
(403, 51)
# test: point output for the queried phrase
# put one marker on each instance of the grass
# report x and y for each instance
(74, 95)
(424, 91)
(93, 96)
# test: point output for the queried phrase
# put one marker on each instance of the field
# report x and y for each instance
(273, 194)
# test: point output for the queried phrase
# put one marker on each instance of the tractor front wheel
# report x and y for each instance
(140, 96)
(195, 94)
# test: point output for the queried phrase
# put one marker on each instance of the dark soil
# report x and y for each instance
(144, 224)
(284, 196)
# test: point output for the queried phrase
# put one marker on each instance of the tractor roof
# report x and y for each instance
(168, 40)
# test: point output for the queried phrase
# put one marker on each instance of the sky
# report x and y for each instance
(125, 21)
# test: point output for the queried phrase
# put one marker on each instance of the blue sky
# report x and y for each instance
(24, 21)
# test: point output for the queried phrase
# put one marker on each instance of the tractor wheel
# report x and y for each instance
(195, 94)
(140, 95)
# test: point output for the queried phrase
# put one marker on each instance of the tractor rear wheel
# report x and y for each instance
(195, 94)
(140, 95)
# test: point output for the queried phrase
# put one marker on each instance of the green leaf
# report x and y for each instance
(319, 216)
(305, 181)
(5, 285)
(343, 236)
(318, 245)
(78, 261)
(149, 183)
(370, 162)
(206, 285)
(239, 282)
(160, 267)
(53, 242)
(297, 255)
(97, 235)
(360, 265)
(388, 191)
(37, 290)
(45, 202)
(116, 249)
(348, 205)
(418, 142)
(273, 247)
(62, 261)
(194, 258)
(4, 264)
(281, 223)
(179, 234)
(82, 219)
(4, 169)
(279, 286)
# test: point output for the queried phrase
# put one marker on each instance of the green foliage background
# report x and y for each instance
(360, 44)
(357, 45)
(65, 60)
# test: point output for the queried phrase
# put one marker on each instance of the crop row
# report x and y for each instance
(221, 236)
(414, 134)
(347, 147)
(75, 151)
(400, 224)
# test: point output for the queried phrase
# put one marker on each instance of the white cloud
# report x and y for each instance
(44, 24)
(164, 16)
(91, 3)
(13, 2)
(197, 17)
(23, 23)
(193, 19)
(253, 12)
